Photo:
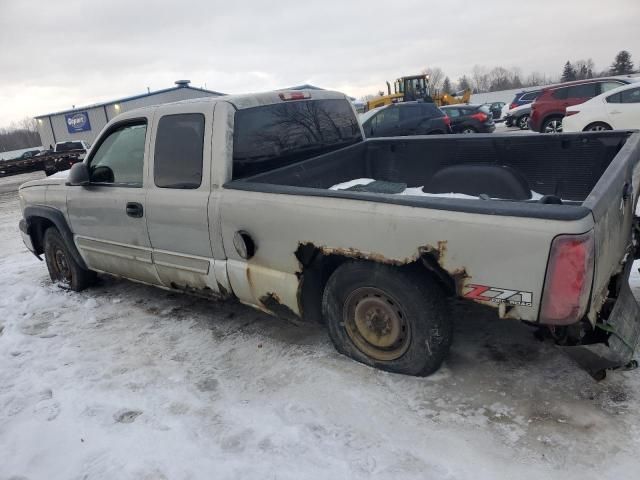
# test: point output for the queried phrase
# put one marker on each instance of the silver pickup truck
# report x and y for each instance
(276, 200)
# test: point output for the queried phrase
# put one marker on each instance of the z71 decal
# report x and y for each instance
(487, 293)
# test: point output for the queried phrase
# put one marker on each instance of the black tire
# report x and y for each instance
(523, 122)
(63, 269)
(597, 127)
(413, 327)
(552, 125)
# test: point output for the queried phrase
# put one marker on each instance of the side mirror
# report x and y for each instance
(78, 175)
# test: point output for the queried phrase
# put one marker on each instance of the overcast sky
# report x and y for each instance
(55, 54)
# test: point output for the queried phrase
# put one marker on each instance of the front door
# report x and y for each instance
(108, 217)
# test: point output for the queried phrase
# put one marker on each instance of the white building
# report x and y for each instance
(86, 122)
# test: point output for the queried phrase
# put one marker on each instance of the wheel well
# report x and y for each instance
(317, 267)
(37, 227)
(597, 123)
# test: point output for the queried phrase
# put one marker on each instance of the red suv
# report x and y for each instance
(549, 108)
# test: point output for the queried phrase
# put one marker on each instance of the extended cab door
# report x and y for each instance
(178, 197)
(108, 216)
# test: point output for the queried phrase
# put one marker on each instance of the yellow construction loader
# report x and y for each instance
(416, 87)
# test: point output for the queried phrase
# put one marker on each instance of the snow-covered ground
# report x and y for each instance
(125, 381)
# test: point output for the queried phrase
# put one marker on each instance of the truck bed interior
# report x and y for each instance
(502, 169)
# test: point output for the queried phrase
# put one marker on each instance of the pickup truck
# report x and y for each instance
(64, 155)
(239, 197)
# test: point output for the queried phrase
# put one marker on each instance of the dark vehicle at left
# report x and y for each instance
(496, 109)
(470, 118)
(405, 119)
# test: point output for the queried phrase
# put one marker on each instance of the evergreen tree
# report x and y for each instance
(622, 65)
(464, 83)
(569, 73)
(446, 85)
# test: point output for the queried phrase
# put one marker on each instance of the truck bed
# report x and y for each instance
(563, 169)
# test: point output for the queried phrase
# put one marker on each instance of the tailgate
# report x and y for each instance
(613, 202)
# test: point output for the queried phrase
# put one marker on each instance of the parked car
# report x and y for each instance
(64, 155)
(616, 109)
(496, 109)
(549, 108)
(518, 117)
(470, 118)
(29, 154)
(245, 205)
(524, 98)
(404, 119)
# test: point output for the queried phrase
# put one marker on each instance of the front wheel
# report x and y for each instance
(523, 122)
(63, 268)
(388, 318)
(597, 127)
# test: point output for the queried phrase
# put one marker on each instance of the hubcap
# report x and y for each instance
(467, 130)
(61, 265)
(554, 126)
(376, 324)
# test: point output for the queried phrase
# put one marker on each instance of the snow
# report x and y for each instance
(130, 382)
(416, 191)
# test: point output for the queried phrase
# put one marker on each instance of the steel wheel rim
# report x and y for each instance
(376, 324)
(62, 265)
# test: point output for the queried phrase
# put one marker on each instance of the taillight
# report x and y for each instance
(480, 116)
(568, 113)
(294, 96)
(567, 283)
(447, 120)
(512, 106)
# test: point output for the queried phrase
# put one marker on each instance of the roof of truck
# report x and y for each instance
(250, 100)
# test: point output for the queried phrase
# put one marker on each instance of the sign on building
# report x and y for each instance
(77, 122)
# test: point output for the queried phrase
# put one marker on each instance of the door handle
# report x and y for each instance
(134, 209)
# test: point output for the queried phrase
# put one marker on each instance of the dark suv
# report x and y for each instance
(404, 119)
(549, 108)
(470, 118)
(524, 97)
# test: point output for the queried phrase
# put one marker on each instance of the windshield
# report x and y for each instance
(276, 135)
(67, 146)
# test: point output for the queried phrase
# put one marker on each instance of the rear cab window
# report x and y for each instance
(272, 136)
(177, 161)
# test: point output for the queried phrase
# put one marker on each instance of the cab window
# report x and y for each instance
(177, 159)
(119, 159)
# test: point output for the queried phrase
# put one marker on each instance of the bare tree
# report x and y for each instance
(480, 79)
(19, 135)
(436, 77)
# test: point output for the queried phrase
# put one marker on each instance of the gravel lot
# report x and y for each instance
(130, 382)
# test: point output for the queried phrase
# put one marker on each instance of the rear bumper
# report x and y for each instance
(621, 331)
(487, 128)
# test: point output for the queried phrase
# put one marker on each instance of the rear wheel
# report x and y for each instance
(552, 125)
(63, 268)
(387, 318)
(468, 130)
(523, 122)
(597, 127)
